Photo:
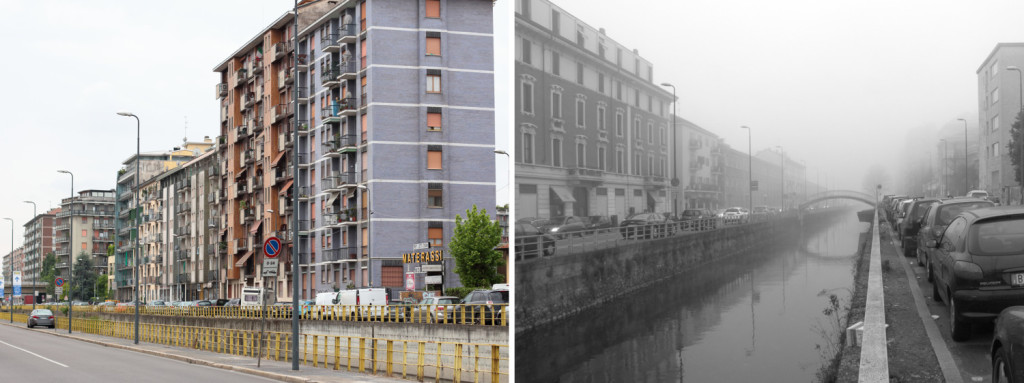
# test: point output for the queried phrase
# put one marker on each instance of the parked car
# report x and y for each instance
(233, 303)
(531, 242)
(735, 215)
(979, 266)
(645, 226)
(934, 222)
(694, 214)
(1007, 349)
(154, 303)
(562, 227)
(597, 222)
(759, 210)
(41, 317)
(977, 194)
(912, 224)
(485, 312)
(901, 214)
(438, 309)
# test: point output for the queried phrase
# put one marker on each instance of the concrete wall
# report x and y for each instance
(552, 288)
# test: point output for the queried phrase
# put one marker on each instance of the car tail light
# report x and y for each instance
(490, 302)
(967, 270)
(35, 317)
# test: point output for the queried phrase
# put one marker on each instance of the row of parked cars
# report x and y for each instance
(973, 252)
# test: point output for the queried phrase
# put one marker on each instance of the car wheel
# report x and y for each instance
(935, 289)
(928, 266)
(29, 325)
(959, 329)
(1000, 367)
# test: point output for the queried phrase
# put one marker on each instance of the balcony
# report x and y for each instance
(329, 77)
(330, 43)
(282, 174)
(125, 195)
(303, 127)
(62, 238)
(280, 111)
(241, 244)
(348, 70)
(222, 90)
(256, 66)
(284, 77)
(302, 94)
(241, 189)
(241, 132)
(246, 156)
(240, 76)
(303, 60)
(349, 143)
(256, 123)
(347, 33)
(279, 50)
(586, 175)
(656, 180)
(248, 214)
(694, 144)
(284, 141)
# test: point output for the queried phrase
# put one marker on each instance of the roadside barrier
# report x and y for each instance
(459, 362)
(475, 314)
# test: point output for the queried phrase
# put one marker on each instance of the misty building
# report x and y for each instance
(592, 128)
(998, 104)
(701, 167)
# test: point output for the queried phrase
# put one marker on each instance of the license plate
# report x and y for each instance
(1017, 279)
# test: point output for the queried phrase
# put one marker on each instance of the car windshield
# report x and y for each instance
(544, 222)
(447, 301)
(948, 212)
(691, 212)
(42, 312)
(498, 296)
(920, 209)
(979, 194)
(732, 210)
(1002, 236)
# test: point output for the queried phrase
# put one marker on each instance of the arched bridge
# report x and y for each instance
(838, 194)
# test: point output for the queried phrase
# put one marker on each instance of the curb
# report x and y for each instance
(189, 360)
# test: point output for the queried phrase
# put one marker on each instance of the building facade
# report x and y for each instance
(15, 259)
(998, 105)
(85, 227)
(38, 242)
(701, 168)
(591, 126)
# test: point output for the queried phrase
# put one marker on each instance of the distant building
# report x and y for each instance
(17, 257)
(591, 126)
(998, 105)
(39, 236)
(85, 227)
(701, 166)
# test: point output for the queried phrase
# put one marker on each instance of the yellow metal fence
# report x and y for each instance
(477, 314)
(459, 362)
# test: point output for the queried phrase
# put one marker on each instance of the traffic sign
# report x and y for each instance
(59, 282)
(271, 247)
(59, 290)
(269, 267)
(17, 283)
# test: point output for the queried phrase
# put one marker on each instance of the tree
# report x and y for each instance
(48, 274)
(472, 246)
(102, 292)
(1013, 150)
(83, 278)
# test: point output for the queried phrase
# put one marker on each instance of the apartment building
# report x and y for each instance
(999, 103)
(151, 165)
(401, 115)
(38, 242)
(15, 259)
(85, 225)
(701, 167)
(592, 128)
(783, 178)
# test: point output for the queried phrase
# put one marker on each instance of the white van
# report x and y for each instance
(371, 302)
(978, 194)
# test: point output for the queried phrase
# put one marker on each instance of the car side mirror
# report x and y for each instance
(334, 301)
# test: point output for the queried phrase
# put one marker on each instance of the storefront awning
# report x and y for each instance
(241, 262)
(284, 189)
(563, 193)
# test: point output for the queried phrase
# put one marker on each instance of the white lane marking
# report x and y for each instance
(40, 356)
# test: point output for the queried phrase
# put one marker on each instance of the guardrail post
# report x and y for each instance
(405, 358)
(458, 362)
(348, 354)
(389, 367)
(495, 362)
(277, 347)
(419, 360)
(362, 353)
(337, 353)
(316, 351)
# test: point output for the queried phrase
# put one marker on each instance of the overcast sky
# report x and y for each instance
(836, 83)
(70, 65)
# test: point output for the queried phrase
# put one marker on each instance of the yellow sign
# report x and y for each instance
(422, 256)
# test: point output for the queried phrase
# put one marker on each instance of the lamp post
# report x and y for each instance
(71, 257)
(369, 227)
(34, 278)
(782, 167)
(945, 153)
(138, 210)
(966, 185)
(12, 269)
(750, 170)
(509, 166)
(675, 159)
(1020, 137)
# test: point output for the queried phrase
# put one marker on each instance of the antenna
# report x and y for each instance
(184, 140)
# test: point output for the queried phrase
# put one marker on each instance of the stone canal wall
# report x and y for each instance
(551, 288)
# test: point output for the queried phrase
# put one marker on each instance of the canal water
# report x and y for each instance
(755, 317)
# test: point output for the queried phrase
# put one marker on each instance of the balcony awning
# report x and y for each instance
(563, 193)
(278, 158)
(241, 262)
(257, 227)
(330, 201)
(284, 189)
(241, 172)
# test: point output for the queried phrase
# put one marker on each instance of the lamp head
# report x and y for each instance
(744, 127)
(499, 151)
(666, 84)
(1012, 67)
(63, 171)
(126, 114)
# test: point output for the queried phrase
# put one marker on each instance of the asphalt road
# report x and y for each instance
(33, 356)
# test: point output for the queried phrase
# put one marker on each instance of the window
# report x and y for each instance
(995, 123)
(579, 73)
(650, 133)
(362, 51)
(525, 10)
(435, 235)
(618, 91)
(995, 149)
(619, 122)
(619, 161)
(581, 155)
(527, 97)
(527, 148)
(83, 245)
(556, 62)
(636, 98)
(636, 130)
(526, 51)
(433, 119)
(556, 104)
(556, 24)
(433, 43)
(435, 192)
(994, 69)
(556, 152)
(580, 40)
(995, 96)
(600, 158)
(636, 164)
(433, 81)
(433, 9)
(600, 50)
(600, 119)
(84, 233)
(434, 157)
(618, 56)
(664, 167)
(580, 117)
(600, 82)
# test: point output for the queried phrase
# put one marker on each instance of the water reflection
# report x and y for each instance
(750, 318)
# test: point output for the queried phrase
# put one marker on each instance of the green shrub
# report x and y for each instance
(461, 292)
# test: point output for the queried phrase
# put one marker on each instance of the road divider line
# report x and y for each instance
(37, 355)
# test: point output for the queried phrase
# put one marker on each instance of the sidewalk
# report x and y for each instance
(269, 369)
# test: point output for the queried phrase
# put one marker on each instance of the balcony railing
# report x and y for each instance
(329, 42)
(330, 75)
(222, 90)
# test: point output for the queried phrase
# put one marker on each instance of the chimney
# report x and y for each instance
(601, 31)
(206, 139)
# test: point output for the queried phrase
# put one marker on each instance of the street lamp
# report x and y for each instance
(34, 277)
(750, 170)
(369, 227)
(675, 175)
(138, 210)
(782, 167)
(12, 269)
(945, 163)
(966, 185)
(1020, 137)
(509, 168)
(71, 260)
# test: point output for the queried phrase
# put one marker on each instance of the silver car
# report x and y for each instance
(41, 317)
(438, 308)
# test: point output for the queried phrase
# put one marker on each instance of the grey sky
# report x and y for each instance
(836, 83)
(70, 65)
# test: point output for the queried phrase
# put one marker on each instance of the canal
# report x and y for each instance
(753, 317)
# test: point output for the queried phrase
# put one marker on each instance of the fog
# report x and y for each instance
(840, 84)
